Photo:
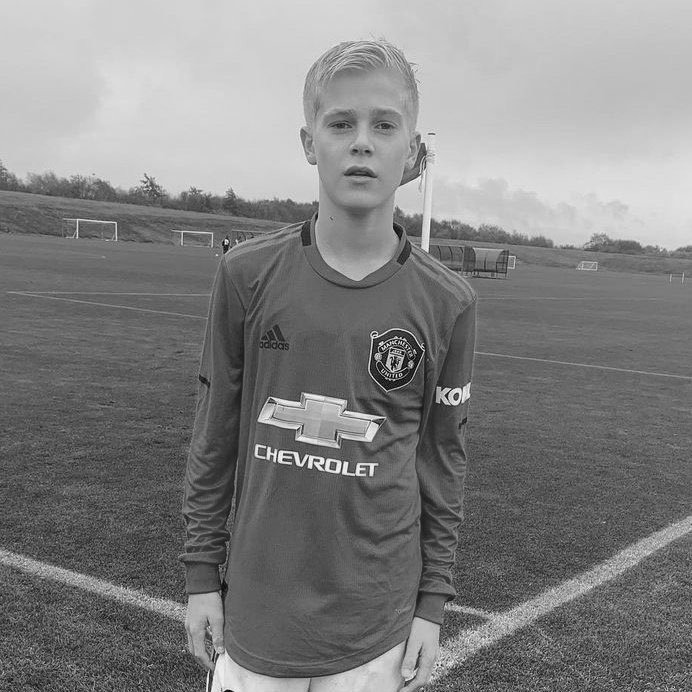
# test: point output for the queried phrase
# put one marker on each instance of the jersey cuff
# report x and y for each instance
(201, 577)
(431, 606)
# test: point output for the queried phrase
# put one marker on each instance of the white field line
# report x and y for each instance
(467, 610)
(108, 305)
(589, 298)
(139, 599)
(469, 642)
(586, 365)
(51, 295)
(455, 651)
(110, 293)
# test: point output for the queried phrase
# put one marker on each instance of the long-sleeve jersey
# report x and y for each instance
(335, 411)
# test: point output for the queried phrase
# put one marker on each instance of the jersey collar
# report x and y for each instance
(387, 270)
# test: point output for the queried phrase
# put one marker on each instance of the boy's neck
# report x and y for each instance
(355, 244)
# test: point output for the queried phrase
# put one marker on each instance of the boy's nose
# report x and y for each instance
(361, 143)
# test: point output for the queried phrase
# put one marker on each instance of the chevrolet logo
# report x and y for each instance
(320, 420)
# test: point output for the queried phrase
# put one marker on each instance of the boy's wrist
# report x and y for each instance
(201, 577)
(431, 606)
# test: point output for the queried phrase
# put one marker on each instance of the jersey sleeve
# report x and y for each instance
(212, 458)
(441, 464)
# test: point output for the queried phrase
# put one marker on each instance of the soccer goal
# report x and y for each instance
(90, 228)
(588, 266)
(677, 278)
(194, 238)
(512, 262)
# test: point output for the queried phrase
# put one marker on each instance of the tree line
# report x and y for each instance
(150, 192)
(601, 242)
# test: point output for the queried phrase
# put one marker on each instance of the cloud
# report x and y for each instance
(493, 201)
(558, 98)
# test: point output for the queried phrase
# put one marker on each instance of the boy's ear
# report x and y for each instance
(414, 149)
(414, 159)
(308, 145)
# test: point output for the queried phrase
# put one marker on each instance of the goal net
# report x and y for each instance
(194, 238)
(90, 228)
(512, 262)
(588, 266)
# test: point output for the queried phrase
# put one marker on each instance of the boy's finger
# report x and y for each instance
(199, 651)
(216, 625)
(408, 666)
(422, 676)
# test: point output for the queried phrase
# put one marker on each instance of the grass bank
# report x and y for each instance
(22, 212)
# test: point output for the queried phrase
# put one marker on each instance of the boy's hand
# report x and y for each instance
(204, 612)
(421, 651)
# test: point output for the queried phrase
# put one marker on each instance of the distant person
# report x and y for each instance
(226, 244)
(333, 399)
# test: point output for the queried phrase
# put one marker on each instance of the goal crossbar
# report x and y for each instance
(77, 222)
(207, 235)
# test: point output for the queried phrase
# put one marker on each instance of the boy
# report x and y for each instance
(334, 386)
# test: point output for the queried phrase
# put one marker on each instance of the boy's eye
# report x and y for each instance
(341, 125)
(386, 126)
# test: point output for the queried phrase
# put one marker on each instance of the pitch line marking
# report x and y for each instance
(455, 651)
(470, 641)
(591, 298)
(467, 610)
(37, 294)
(99, 587)
(585, 365)
(108, 305)
(111, 293)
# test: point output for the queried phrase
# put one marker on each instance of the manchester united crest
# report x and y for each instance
(394, 358)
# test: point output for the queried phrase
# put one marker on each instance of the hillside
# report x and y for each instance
(22, 212)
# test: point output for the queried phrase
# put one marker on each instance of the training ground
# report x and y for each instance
(574, 568)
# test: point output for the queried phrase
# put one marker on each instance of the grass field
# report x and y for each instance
(580, 440)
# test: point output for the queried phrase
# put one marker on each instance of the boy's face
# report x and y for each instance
(361, 138)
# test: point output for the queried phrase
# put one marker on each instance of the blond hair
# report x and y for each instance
(358, 55)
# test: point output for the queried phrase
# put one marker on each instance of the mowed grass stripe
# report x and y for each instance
(455, 651)
(108, 305)
(586, 365)
(471, 641)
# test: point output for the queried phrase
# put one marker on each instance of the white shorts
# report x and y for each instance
(382, 674)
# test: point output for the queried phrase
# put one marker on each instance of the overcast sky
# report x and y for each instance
(559, 117)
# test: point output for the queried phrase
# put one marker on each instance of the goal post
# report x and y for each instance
(194, 238)
(587, 266)
(677, 277)
(90, 228)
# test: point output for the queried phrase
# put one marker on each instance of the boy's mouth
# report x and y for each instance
(360, 171)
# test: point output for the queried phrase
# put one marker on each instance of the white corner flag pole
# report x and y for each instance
(428, 190)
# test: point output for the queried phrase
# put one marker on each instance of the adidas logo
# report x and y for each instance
(274, 339)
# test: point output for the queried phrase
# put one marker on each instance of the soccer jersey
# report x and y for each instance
(335, 411)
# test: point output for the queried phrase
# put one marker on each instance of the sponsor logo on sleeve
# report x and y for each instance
(394, 358)
(452, 396)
